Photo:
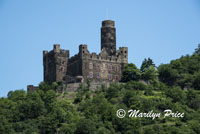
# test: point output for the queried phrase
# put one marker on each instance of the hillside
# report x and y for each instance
(174, 86)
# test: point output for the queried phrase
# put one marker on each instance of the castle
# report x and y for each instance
(106, 66)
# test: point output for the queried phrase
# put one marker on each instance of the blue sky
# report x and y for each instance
(160, 29)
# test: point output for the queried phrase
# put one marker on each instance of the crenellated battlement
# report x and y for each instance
(104, 66)
(121, 54)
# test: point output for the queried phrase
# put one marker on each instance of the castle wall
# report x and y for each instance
(102, 67)
(101, 70)
(105, 66)
(74, 68)
(55, 64)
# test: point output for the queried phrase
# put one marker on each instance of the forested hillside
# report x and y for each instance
(174, 86)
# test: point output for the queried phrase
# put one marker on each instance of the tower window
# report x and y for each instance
(110, 77)
(109, 67)
(116, 77)
(90, 66)
(116, 68)
(91, 74)
(125, 52)
(83, 51)
(98, 75)
(121, 51)
(97, 66)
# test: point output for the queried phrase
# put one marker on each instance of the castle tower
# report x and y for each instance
(108, 36)
(55, 64)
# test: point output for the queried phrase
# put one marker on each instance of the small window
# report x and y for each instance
(113, 67)
(83, 51)
(110, 77)
(109, 67)
(97, 66)
(125, 56)
(116, 68)
(116, 77)
(83, 47)
(98, 76)
(91, 74)
(125, 52)
(111, 47)
(121, 51)
(90, 66)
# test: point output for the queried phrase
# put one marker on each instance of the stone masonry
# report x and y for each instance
(106, 66)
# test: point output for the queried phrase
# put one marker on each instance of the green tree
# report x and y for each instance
(17, 95)
(86, 126)
(197, 50)
(33, 106)
(103, 130)
(146, 63)
(167, 74)
(193, 99)
(196, 83)
(177, 94)
(130, 72)
(113, 91)
(150, 74)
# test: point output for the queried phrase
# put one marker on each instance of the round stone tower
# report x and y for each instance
(108, 36)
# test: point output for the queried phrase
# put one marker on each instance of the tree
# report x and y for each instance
(103, 130)
(150, 74)
(17, 95)
(86, 126)
(130, 72)
(167, 74)
(197, 50)
(196, 83)
(113, 91)
(146, 63)
(193, 99)
(177, 94)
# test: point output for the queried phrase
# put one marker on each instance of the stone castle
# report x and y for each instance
(104, 67)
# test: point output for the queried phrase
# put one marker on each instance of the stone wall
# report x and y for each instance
(55, 64)
(72, 87)
(105, 66)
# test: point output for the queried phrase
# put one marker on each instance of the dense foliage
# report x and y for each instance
(49, 110)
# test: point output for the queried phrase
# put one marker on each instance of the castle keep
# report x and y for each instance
(106, 66)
